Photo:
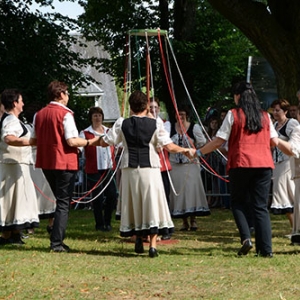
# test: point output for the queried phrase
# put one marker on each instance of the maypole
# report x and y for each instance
(148, 77)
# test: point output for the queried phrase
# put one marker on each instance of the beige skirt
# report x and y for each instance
(18, 203)
(283, 188)
(45, 198)
(144, 208)
(190, 198)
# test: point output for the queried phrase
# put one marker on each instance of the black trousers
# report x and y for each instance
(105, 203)
(62, 185)
(249, 189)
(166, 182)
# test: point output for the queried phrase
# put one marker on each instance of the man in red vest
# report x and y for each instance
(56, 137)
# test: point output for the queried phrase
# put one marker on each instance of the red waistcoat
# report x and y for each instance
(249, 150)
(53, 152)
(91, 155)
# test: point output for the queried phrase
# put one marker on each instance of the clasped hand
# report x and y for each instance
(190, 153)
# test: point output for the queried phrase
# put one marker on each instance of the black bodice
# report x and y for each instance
(138, 133)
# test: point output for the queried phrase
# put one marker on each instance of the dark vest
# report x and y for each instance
(189, 132)
(138, 133)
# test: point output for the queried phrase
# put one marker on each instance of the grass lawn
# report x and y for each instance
(194, 265)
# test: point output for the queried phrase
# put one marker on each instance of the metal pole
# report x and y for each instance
(249, 68)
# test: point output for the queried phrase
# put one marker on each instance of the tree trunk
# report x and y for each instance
(184, 29)
(164, 14)
(275, 31)
(164, 24)
(184, 25)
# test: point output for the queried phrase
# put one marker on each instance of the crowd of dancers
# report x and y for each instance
(39, 162)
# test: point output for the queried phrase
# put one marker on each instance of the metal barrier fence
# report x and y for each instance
(216, 189)
(81, 187)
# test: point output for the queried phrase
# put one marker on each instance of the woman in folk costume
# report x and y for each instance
(283, 185)
(250, 134)
(99, 161)
(190, 200)
(144, 207)
(292, 148)
(18, 203)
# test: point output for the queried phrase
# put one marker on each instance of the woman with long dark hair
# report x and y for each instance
(250, 133)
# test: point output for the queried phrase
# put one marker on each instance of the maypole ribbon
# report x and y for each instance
(168, 75)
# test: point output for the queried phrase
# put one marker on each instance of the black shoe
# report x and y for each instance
(100, 228)
(194, 226)
(3, 241)
(108, 228)
(66, 247)
(49, 229)
(153, 252)
(247, 245)
(185, 227)
(59, 248)
(165, 237)
(267, 255)
(295, 239)
(139, 246)
(16, 239)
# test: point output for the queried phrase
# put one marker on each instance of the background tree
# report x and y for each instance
(274, 28)
(209, 50)
(35, 49)
(217, 56)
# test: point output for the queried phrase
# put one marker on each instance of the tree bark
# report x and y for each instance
(184, 33)
(164, 14)
(275, 31)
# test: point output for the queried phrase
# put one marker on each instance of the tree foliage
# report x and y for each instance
(210, 51)
(217, 56)
(108, 22)
(274, 28)
(35, 49)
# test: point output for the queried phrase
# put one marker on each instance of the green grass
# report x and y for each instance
(200, 265)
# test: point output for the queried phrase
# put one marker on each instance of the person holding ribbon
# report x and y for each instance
(56, 136)
(99, 163)
(144, 209)
(250, 133)
(18, 202)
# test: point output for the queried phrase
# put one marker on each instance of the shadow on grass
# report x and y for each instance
(216, 235)
(124, 249)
